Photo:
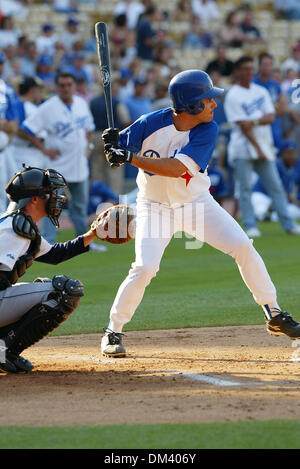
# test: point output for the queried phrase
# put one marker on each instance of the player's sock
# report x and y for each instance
(271, 310)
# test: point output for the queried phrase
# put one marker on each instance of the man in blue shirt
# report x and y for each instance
(146, 37)
(138, 104)
(264, 78)
(288, 165)
(8, 128)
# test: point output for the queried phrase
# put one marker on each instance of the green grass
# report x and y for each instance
(194, 288)
(269, 434)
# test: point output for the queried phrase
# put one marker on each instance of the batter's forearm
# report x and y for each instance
(163, 167)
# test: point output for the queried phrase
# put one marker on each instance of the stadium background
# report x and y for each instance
(72, 399)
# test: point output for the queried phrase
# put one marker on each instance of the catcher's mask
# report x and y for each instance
(45, 183)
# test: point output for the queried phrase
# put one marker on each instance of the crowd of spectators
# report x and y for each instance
(143, 62)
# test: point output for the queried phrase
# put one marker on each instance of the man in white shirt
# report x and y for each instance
(250, 110)
(132, 9)
(69, 123)
(71, 33)
(45, 43)
(207, 10)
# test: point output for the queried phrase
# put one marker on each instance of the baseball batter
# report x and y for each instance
(172, 148)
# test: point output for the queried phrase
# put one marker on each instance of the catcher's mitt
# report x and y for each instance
(115, 224)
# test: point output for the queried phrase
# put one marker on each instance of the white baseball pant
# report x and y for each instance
(207, 221)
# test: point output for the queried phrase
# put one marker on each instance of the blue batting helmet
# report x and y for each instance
(188, 88)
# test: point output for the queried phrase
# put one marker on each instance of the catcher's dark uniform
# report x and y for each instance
(30, 311)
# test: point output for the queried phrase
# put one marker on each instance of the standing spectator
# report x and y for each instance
(118, 35)
(147, 38)
(8, 128)
(221, 63)
(21, 150)
(138, 103)
(207, 10)
(264, 78)
(45, 43)
(69, 124)
(71, 33)
(132, 10)
(250, 110)
(100, 169)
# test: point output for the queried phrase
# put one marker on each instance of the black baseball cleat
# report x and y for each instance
(15, 364)
(111, 344)
(283, 323)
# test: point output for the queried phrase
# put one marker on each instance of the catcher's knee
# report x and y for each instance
(44, 317)
(67, 292)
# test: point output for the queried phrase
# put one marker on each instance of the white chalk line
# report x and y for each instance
(226, 383)
(195, 377)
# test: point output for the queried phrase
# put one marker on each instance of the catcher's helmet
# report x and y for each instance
(188, 88)
(41, 182)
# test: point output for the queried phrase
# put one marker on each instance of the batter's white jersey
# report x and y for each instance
(155, 136)
(67, 127)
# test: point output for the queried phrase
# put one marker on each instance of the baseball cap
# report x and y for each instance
(45, 60)
(48, 27)
(140, 81)
(72, 21)
(287, 144)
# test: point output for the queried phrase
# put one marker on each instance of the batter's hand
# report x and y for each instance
(116, 156)
(110, 136)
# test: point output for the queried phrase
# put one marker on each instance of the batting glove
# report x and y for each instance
(110, 136)
(116, 155)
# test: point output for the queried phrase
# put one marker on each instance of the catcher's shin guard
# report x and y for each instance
(44, 317)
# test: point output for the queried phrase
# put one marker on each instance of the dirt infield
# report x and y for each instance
(182, 375)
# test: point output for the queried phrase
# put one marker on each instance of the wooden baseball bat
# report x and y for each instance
(104, 66)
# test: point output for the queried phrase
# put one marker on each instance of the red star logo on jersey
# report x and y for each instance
(187, 178)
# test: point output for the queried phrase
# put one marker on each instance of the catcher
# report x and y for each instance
(30, 311)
